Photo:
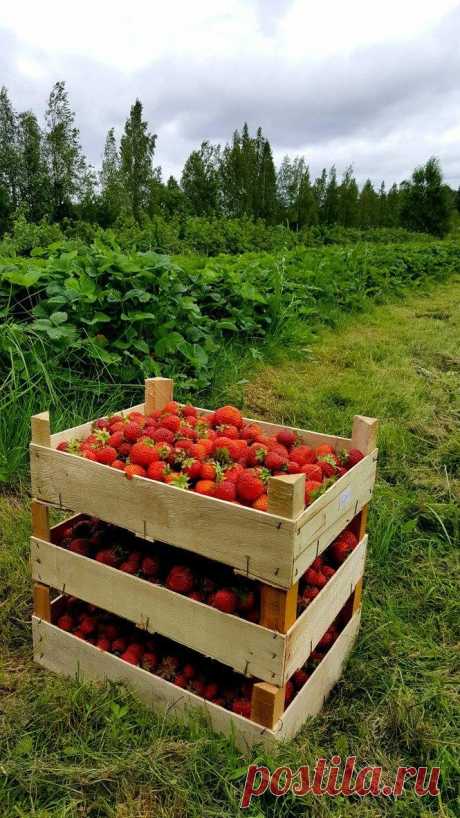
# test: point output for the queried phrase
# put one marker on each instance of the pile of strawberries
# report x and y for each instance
(183, 667)
(216, 454)
(324, 567)
(196, 577)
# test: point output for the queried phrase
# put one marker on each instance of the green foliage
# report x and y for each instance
(426, 203)
(66, 163)
(136, 152)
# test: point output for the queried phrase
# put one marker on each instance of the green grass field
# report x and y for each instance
(71, 750)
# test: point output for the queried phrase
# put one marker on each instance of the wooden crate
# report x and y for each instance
(247, 647)
(275, 547)
(64, 653)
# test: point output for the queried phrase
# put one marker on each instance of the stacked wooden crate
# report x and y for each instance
(274, 549)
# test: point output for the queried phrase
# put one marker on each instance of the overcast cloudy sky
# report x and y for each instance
(376, 83)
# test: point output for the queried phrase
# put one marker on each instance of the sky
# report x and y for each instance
(372, 84)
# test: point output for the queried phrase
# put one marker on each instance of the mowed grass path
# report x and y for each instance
(70, 750)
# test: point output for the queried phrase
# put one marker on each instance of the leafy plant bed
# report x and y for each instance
(110, 567)
(84, 640)
(276, 545)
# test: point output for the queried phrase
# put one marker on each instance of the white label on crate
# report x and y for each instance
(345, 498)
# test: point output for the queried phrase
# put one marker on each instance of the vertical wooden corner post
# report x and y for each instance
(158, 392)
(363, 437)
(278, 607)
(40, 517)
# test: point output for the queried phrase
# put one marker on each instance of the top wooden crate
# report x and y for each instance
(276, 546)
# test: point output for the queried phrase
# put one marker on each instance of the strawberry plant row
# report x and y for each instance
(88, 642)
(179, 611)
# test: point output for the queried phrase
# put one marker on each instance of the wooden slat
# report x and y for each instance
(158, 392)
(41, 429)
(267, 704)
(357, 596)
(309, 628)
(244, 646)
(254, 542)
(40, 520)
(364, 434)
(42, 604)
(64, 653)
(278, 607)
(311, 697)
(286, 495)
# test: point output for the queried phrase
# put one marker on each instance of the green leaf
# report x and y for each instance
(57, 318)
(169, 343)
(138, 315)
(98, 318)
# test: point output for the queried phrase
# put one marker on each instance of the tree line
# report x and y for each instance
(44, 175)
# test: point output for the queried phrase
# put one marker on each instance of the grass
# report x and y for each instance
(69, 750)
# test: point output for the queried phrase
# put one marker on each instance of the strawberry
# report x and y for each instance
(171, 422)
(171, 408)
(313, 471)
(261, 504)
(207, 487)
(189, 411)
(111, 632)
(132, 431)
(102, 424)
(192, 468)
(201, 449)
(90, 454)
(276, 462)
(129, 567)
(130, 656)
(88, 625)
(349, 537)
(233, 472)
(168, 667)
(250, 432)
(103, 643)
(242, 707)
(293, 467)
(133, 470)
(328, 639)
(323, 449)
(299, 678)
(149, 661)
(317, 564)
(65, 622)
(183, 444)
(339, 551)
(143, 452)
(119, 645)
(328, 465)
(124, 449)
(116, 439)
(197, 686)
(286, 437)
(227, 430)
(311, 490)
(225, 490)
(249, 486)
(196, 595)
(106, 455)
(257, 453)
(179, 680)
(118, 464)
(63, 446)
(150, 566)
(80, 546)
(310, 594)
(211, 690)
(315, 578)
(302, 455)
(289, 693)
(163, 435)
(208, 471)
(328, 572)
(354, 456)
(137, 417)
(225, 600)
(180, 579)
(158, 471)
(108, 556)
(228, 414)
(189, 671)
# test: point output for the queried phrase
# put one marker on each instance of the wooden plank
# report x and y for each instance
(40, 520)
(364, 433)
(64, 653)
(321, 541)
(309, 628)
(42, 604)
(41, 429)
(311, 697)
(158, 392)
(342, 496)
(357, 596)
(267, 704)
(256, 543)
(286, 495)
(278, 607)
(245, 646)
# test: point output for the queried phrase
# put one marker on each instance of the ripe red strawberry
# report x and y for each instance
(134, 470)
(289, 693)
(249, 486)
(299, 678)
(171, 422)
(276, 462)
(354, 456)
(106, 455)
(143, 452)
(149, 661)
(179, 680)
(327, 571)
(228, 414)
(227, 430)
(137, 417)
(88, 625)
(293, 467)
(180, 579)
(250, 432)
(286, 437)
(116, 439)
(246, 600)
(111, 631)
(65, 622)
(328, 639)
(196, 595)
(129, 567)
(189, 411)
(177, 479)
(310, 593)
(158, 470)
(302, 455)
(132, 431)
(313, 471)
(206, 487)
(103, 643)
(163, 435)
(102, 424)
(118, 464)
(311, 490)
(257, 453)
(130, 656)
(199, 450)
(242, 707)
(63, 446)
(119, 645)
(211, 690)
(317, 564)
(313, 577)
(80, 546)
(261, 504)
(349, 537)
(225, 490)
(208, 471)
(108, 556)
(233, 472)
(150, 566)
(171, 408)
(189, 671)
(339, 551)
(328, 465)
(124, 449)
(90, 454)
(197, 686)
(323, 449)
(192, 468)
(225, 600)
